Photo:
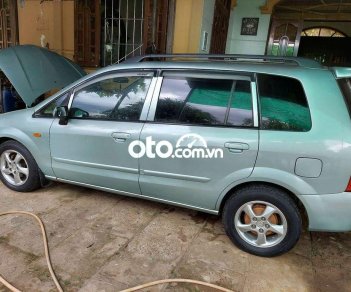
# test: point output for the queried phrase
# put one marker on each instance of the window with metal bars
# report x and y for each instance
(111, 31)
(122, 30)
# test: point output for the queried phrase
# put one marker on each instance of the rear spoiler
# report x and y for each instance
(341, 72)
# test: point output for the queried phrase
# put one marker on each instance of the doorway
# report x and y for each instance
(314, 29)
(329, 46)
(220, 26)
(87, 33)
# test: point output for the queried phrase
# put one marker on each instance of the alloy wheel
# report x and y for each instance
(260, 224)
(14, 167)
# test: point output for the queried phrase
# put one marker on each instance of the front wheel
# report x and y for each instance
(18, 169)
(262, 220)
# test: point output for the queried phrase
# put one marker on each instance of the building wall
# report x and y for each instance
(51, 24)
(48, 24)
(187, 26)
(241, 44)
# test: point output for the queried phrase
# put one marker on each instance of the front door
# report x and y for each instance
(209, 124)
(104, 117)
(284, 38)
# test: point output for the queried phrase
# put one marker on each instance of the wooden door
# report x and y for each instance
(284, 37)
(155, 30)
(87, 33)
(8, 23)
(220, 26)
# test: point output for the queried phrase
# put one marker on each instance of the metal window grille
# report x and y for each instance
(123, 24)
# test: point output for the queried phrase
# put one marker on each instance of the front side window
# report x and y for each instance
(283, 104)
(118, 98)
(203, 101)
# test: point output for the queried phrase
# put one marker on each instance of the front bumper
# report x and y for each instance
(330, 212)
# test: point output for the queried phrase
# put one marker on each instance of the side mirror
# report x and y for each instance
(61, 112)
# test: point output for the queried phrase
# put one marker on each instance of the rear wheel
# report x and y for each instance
(18, 169)
(262, 220)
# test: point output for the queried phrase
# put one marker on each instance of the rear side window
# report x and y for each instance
(202, 101)
(345, 86)
(283, 104)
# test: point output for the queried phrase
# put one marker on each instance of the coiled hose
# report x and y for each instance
(57, 284)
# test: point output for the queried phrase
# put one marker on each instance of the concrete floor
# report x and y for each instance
(105, 242)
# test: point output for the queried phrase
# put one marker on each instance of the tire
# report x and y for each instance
(254, 233)
(18, 169)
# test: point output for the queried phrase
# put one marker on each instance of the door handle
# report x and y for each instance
(120, 137)
(236, 147)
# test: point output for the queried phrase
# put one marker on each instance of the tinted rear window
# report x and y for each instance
(345, 86)
(283, 104)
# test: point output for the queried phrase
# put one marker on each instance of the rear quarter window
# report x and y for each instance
(345, 86)
(283, 104)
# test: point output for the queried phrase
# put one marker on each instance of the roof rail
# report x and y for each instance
(302, 62)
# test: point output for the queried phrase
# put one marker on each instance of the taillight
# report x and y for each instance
(348, 188)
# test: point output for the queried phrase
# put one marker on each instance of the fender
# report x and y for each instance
(289, 181)
(40, 154)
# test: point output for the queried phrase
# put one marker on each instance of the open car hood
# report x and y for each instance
(33, 70)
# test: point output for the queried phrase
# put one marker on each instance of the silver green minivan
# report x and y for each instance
(262, 141)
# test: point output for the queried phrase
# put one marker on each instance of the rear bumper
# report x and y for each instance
(330, 212)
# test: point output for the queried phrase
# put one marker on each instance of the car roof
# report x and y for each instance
(240, 63)
(229, 67)
(229, 58)
(290, 67)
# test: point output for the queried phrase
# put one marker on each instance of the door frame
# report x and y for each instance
(154, 19)
(87, 36)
